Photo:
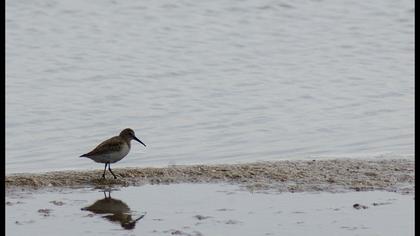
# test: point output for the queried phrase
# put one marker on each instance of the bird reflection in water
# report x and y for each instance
(114, 210)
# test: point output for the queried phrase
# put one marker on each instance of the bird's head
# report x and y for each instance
(129, 135)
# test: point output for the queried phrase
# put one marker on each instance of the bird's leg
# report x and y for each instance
(109, 168)
(103, 175)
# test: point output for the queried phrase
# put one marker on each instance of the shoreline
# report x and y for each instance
(394, 175)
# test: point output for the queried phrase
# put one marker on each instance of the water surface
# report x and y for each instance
(208, 81)
(207, 209)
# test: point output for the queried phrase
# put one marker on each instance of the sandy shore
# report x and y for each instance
(286, 176)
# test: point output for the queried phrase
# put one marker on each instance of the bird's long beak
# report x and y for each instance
(138, 140)
(139, 218)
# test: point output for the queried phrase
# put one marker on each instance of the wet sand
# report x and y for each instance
(284, 176)
(241, 199)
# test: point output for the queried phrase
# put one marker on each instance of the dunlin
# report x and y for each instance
(113, 149)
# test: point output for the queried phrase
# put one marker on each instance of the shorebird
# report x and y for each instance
(113, 149)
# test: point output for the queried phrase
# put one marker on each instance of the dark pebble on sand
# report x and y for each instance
(359, 206)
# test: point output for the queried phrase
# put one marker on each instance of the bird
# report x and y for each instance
(113, 149)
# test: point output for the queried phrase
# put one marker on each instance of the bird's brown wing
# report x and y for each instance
(113, 144)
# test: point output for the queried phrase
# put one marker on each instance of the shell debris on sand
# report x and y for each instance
(395, 175)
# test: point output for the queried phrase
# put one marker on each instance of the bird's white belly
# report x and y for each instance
(113, 156)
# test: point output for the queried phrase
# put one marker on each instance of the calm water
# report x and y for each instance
(186, 208)
(208, 81)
